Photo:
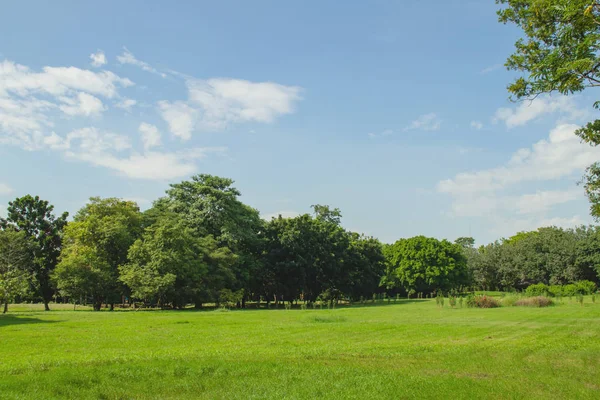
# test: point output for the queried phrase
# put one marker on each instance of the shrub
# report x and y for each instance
(538, 289)
(570, 290)
(580, 298)
(510, 300)
(555, 291)
(452, 301)
(593, 298)
(482, 301)
(585, 287)
(460, 302)
(537, 301)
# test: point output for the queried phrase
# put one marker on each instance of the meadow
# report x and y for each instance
(408, 349)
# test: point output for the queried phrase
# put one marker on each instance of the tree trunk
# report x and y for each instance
(244, 302)
(46, 307)
(5, 308)
(97, 305)
(112, 306)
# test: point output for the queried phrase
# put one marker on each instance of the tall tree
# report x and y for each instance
(35, 217)
(170, 264)
(96, 244)
(211, 206)
(16, 256)
(422, 264)
(558, 54)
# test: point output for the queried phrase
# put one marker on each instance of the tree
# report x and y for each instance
(170, 264)
(95, 245)
(211, 206)
(35, 218)
(465, 242)
(16, 256)
(423, 264)
(558, 54)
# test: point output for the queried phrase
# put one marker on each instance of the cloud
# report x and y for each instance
(477, 125)
(82, 104)
(426, 122)
(57, 81)
(30, 100)
(150, 135)
(126, 104)
(386, 132)
(180, 117)
(150, 165)
(128, 58)
(5, 189)
(531, 110)
(560, 155)
(284, 214)
(496, 194)
(214, 104)
(98, 58)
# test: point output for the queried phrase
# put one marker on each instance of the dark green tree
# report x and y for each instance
(35, 217)
(423, 264)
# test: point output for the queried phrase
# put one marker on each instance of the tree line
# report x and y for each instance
(199, 244)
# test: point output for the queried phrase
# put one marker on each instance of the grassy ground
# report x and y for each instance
(412, 349)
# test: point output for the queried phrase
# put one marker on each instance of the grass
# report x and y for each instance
(404, 350)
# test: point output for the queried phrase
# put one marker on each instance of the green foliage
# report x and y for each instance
(96, 243)
(539, 289)
(424, 264)
(16, 256)
(452, 301)
(36, 219)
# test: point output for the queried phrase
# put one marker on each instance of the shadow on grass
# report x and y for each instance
(8, 319)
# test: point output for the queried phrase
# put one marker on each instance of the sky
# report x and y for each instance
(395, 112)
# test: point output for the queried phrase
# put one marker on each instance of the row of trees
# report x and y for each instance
(200, 244)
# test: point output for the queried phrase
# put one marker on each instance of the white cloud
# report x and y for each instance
(150, 135)
(5, 189)
(128, 58)
(214, 104)
(126, 104)
(497, 195)
(180, 117)
(284, 214)
(57, 81)
(531, 110)
(82, 104)
(386, 132)
(477, 125)
(151, 165)
(426, 122)
(98, 58)
(560, 155)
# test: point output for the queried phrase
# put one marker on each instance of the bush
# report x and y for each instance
(482, 302)
(537, 301)
(538, 289)
(585, 287)
(510, 300)
(556, 291)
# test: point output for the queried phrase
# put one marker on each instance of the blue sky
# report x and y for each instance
(395, 112)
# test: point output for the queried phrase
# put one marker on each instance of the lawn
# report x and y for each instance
(412, 349)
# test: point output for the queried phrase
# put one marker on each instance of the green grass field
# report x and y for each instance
(411, 349)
